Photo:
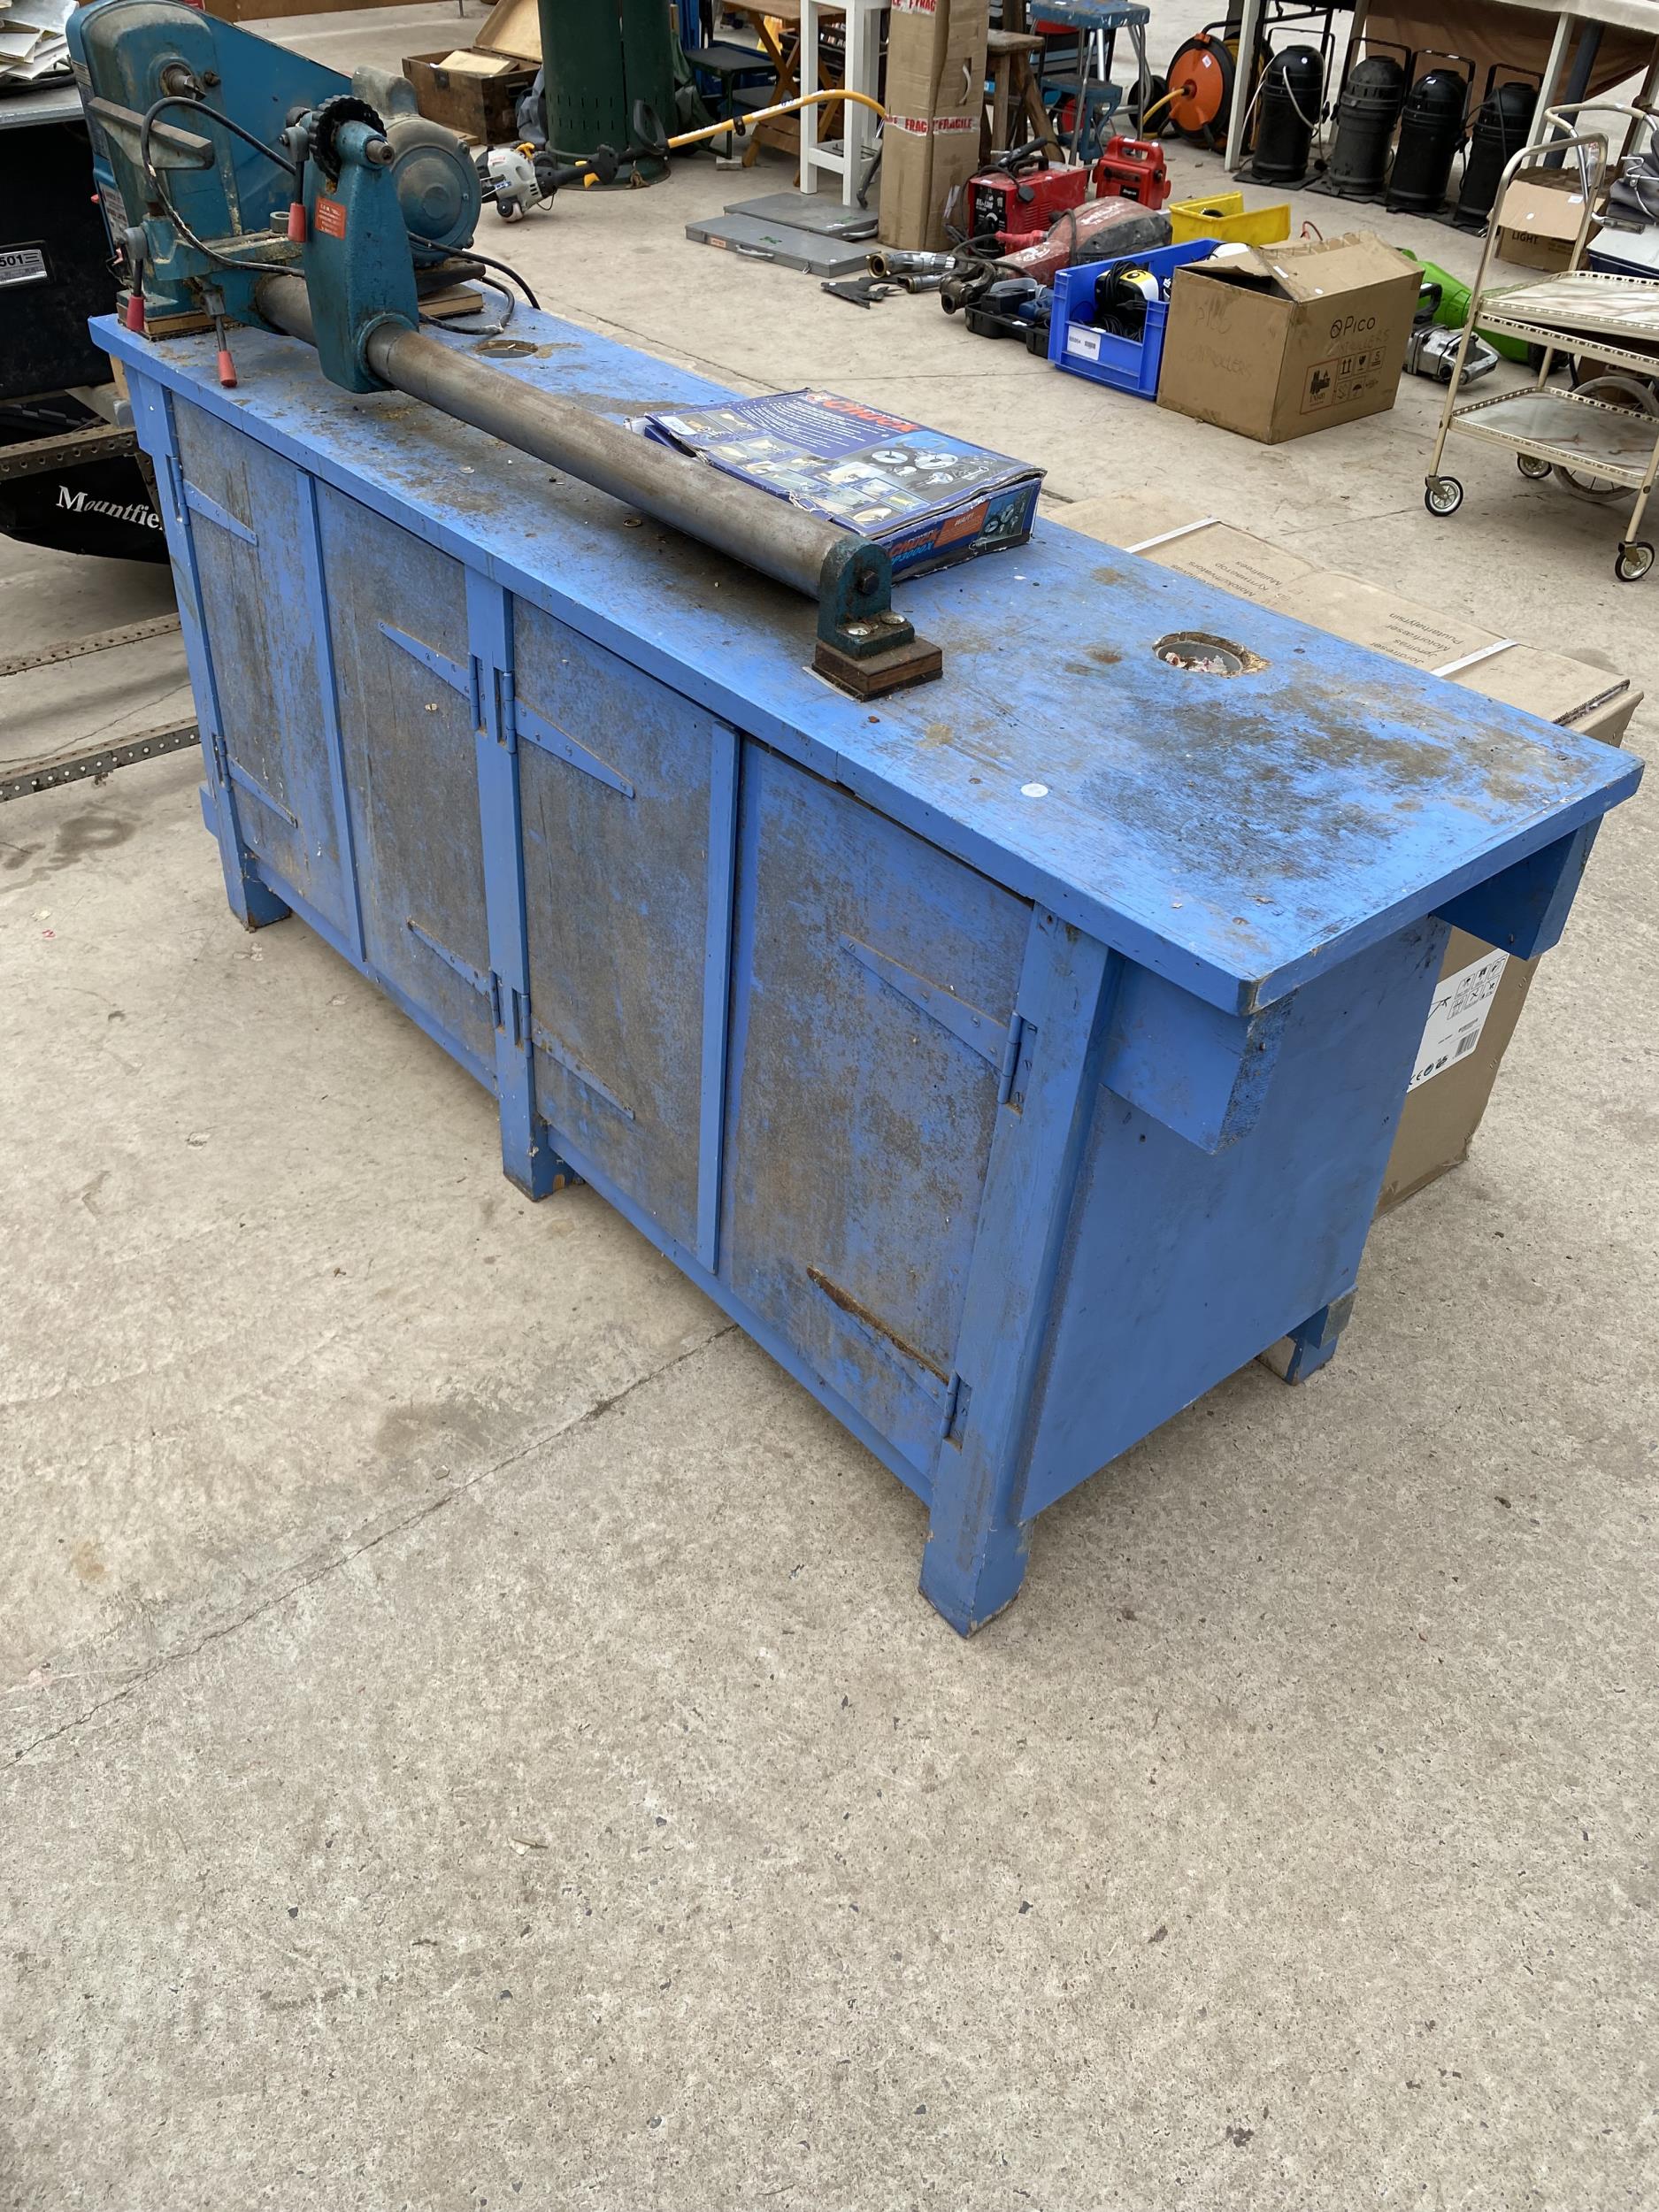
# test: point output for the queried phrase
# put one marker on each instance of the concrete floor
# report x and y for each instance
(473, 1735)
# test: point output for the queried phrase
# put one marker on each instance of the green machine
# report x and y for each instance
(601, 60)
(1453, 311)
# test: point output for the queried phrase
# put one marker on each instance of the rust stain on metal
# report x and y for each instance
(847, 1304)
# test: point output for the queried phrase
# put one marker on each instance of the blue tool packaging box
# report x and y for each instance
(929, 499)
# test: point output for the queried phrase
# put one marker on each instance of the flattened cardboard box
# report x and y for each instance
(1278, 341)
(1482, 991)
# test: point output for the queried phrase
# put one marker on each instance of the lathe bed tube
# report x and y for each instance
(766, 533)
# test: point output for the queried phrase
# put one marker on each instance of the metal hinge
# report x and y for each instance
(1017, 1060)
(954, 1422)
(498, 720)
(510, 1009)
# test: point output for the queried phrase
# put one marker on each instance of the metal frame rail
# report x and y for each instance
(100, 758)
(22, 779)
(65, 448)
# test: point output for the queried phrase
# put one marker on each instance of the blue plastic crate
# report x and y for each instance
(1132, 364)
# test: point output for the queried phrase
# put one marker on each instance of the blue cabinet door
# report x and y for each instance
(248, 513)
(615, 772)
(398, 612)
(875, 985)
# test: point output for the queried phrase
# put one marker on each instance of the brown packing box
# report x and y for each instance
(1275, 341)
(936, 58)
(1482, 992)
(476, 91)
(924, 163)
(1538, 222)
(935, 91)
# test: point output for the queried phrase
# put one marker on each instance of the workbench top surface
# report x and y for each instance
(1237, 834)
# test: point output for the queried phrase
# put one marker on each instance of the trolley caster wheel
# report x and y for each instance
(1633, 561)
(1443, 495)
(1531, 465)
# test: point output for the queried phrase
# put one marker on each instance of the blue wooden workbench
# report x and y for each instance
(1015, 1059)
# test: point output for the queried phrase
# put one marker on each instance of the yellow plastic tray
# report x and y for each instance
(1224, 216)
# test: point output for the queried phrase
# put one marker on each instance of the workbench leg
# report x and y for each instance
(536, 1168)
(970, 1583)
(1308, 1346)
(978, 1544)
(252, 902)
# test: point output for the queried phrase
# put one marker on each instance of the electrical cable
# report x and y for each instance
(454, 322)
(224, 260)
(201, 107)
(471, 253)
(164, 192)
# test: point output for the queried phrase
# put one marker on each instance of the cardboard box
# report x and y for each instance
(1539, 218)
(1482, 991)
(936, 57)
(935, 101)
(1276, 341)
(476, 90)
(1477, 1007)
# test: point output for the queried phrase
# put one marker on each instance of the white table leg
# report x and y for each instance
(1550, 88)
(864, 44)
(807, 118)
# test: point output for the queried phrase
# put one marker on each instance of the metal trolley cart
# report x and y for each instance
(1589, 438)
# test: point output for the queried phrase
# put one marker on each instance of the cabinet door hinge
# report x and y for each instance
(1017, 1060)
(954, 1420)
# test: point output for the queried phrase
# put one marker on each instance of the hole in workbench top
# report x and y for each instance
(1206, 656)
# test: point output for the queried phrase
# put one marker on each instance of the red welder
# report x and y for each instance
(1019, 196)
(1133, 169)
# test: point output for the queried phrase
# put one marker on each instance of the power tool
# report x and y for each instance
(1013, 307)
(519, 177)
(1431, 352)
(1020, 193)
(1133, 169)
(242, 184)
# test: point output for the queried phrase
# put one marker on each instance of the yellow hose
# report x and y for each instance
(765, 115)
(1176, 92)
